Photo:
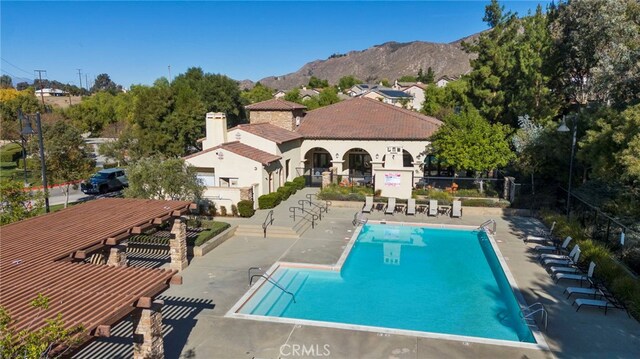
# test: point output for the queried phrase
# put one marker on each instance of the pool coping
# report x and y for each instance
(540, 344)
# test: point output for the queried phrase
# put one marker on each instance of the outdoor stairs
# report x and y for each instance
(276, 301)
(249, 230)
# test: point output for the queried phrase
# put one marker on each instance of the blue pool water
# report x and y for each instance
(405, 277)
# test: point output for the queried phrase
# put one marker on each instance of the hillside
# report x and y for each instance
(389, 60)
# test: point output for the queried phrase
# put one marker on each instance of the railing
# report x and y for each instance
(539, 308)
(314, 216)
(267, 221)
(326, 203)
(301, 202)
(249, 273)
(488, 223)
(268, 279)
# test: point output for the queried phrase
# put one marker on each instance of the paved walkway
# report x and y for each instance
(214, 283)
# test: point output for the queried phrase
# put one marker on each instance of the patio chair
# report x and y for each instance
(563, 247)
(411, 206)
(541, 236)
(605, 303)
(595, 292)
(456, 209)
(577, 276)
(549, 256)
(368, 204)
(433, 207)
(571, 260)
(391, 206)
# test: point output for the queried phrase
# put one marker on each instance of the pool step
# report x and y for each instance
(274, 293)
(285, 299)
(254, 301)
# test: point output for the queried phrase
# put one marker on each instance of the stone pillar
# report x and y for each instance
(326, 179)
(147, 332)
(117, 256)
(178, 245)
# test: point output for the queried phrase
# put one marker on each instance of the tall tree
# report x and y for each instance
(158, 178)
(104, 83)
(315, 82)
(6, 82)
(347, 82)
(467, 141)
(66, 155)
(258, 93)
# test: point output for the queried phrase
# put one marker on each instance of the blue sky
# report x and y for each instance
(135, 42)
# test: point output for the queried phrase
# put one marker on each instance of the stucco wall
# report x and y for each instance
(222, 196)
(252, 140)
(374, 148)
(389, 188)
(418, 97)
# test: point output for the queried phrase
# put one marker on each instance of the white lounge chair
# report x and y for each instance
(411, 207)
(391, 206)
(541, 236)
(549, 256)
(600, 303)
(564, 246)
(456, 209)
(571, 260)
(368, 204)
(433, 207)
(577, 276)
(585, 291)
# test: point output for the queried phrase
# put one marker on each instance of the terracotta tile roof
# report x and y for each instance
(243, 150)
(367, 119)
(35, 257)
(275, 104)
(271, 132)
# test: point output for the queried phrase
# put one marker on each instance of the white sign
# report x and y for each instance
(392, 179)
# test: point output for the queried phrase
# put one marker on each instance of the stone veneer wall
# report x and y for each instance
(147, 336)
(285, 119)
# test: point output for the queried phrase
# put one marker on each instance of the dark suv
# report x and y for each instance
(112, 179)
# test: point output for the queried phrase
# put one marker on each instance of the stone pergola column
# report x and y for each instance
(326, 179)
(178, 245)
(117, 256)
(147, 332)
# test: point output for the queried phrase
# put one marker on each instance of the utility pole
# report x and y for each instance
(169, 73)
(86, 82)
(40, 76)
(80, 77)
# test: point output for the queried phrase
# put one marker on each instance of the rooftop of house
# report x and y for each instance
(270, 132)
(391, 93)
(367, 119)
(243, 150)
(275, 104)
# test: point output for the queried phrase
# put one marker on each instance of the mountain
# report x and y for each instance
(390, 61)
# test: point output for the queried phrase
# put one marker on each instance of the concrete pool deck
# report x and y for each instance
(215, 282)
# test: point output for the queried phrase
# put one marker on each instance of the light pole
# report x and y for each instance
(28, 130)
(564, 128)
(23, 142)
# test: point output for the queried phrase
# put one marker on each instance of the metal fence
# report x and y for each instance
(490, 186)
(597, 224)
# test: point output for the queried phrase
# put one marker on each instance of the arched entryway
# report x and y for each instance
(317, 160)
(407, 159)
(357, 162)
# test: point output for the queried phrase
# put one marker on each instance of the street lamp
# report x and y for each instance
(28, 130)
(564, 128)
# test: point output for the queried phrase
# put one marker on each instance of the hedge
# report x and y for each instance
(269, 200)
(109, 165)
(245, 208)
(10, 152)
(215, 228)
(299, 182)
(622, 284)
(285, 192)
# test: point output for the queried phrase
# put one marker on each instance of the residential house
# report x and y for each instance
(444, 80)
(390, 96)
(51, 92)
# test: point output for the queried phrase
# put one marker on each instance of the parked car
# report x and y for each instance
(107, 180)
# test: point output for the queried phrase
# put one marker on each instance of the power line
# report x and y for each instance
(25, 71)
(8, 73)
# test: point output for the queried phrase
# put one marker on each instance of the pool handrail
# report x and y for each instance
(485, 225)
(268, 279)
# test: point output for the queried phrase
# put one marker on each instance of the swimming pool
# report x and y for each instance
(434, 280)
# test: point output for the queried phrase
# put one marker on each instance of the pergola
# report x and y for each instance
(48, 254)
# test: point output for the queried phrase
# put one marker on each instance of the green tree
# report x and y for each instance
(37, 342)
(293, 96)
(66, 155)
(104, 83)
(441, 102)
(6, 82)
(10, 103)
(467, 141)
(407, 78)
(315, 83)
(21, 86)
(258, 93)
(170, 179)
(347, 82)
(427, 78)
(94, 113)
(17, 204)
(493, 14)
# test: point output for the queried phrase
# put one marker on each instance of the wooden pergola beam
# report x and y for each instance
(103, 331)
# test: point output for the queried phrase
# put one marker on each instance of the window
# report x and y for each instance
(228, 182)
(206, 176)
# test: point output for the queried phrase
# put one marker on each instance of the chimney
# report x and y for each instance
(216, 123)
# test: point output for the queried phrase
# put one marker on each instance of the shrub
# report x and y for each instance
(10, 152)
(194, 222)
(223, 211)
(285, 192)
(109, 165)
(215, 228)
(480, 202)
(7, 165)
(245, 208)
(269, 200)
(299, 182)
(31, 163)
(631, 257)
(440, 196)
(291, 186)
(234, 210)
